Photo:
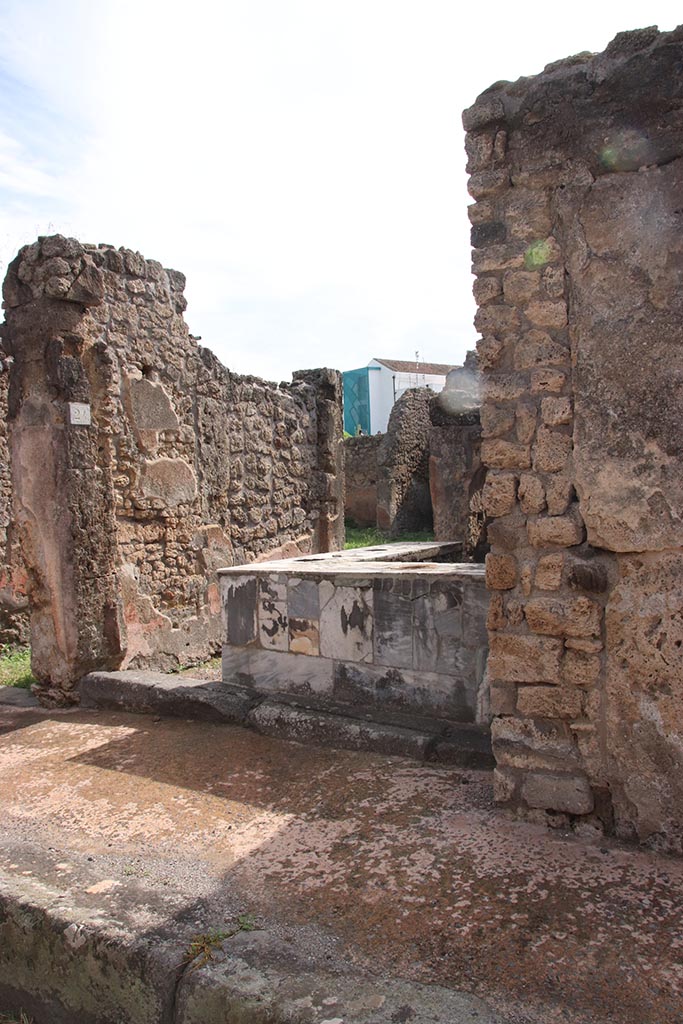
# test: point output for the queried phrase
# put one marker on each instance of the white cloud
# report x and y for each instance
(301, 161)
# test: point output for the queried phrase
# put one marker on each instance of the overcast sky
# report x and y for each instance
(301, 161)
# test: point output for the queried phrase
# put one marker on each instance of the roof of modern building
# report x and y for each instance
(411, 366)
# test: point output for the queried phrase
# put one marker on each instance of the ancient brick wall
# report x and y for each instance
(578, 251)
(403, 499)
(360, 478)
(140, 464)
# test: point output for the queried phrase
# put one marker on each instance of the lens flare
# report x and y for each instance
(625, 151)
(538, 254)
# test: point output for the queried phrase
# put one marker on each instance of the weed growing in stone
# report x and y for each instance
(20, 1018)
(15, 670)
(202, 948)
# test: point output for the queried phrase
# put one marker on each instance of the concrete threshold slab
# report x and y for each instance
(422, 738)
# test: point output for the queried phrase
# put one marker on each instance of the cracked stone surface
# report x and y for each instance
(353, 865)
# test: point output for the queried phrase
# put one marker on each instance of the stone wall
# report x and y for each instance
(360, 478)
(578, 251)
(403, 498)
(14, 624)
(456, 473)
(140, 464)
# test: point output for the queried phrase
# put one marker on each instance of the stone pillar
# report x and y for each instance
(63, 503)
(328, 482)
(577, 177)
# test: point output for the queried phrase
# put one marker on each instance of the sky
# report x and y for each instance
(301, 161)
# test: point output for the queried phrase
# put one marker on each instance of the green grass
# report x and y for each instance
(15, 670)
(368, 536)
(15, 1018)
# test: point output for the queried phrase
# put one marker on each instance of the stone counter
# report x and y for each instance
(375, 630)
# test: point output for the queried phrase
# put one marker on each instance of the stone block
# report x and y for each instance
(527, 213)
(487, 183)
(496, 618)
(500, 386)
(273, 626)
(554, 282)
(304, 636)
(519, 286)
(533, 743)
(559, 494)
(487, 233)
(538, 349)
(549, 572)
(486, 289)
(501, 572)
(452, 695)
(531, 494)
(479, 149)
(438, 632)
(496, 420)
(483, 210)
(302, 599)
(525, 421)
(496, 258)
(346, 624)
(548, 702)
(487, 110)
(499, 494)
(581, 669)
(503, 698)
(524, 659)
(497, 454)
(551, 450)
(171, 481)
(499, 319)
(561, 531)
(393, 622)
(239, 604)
(547, 380)
(556, 412)
(569, 794)
(547, 314)
(273, 672)
(559, 616)
(489, 351)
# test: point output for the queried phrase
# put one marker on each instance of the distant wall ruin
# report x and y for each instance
(456, 472)
(360, 479)
(426, 471)
(403, 499)
(578, 251)
(140, 464)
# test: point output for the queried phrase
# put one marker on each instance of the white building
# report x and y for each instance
(370, 391)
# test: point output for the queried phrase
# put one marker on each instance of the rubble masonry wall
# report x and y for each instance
(577, 176)
(184, 468)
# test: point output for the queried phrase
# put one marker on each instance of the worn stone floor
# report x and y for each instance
(393, 866)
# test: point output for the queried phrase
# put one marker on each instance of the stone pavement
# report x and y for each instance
(382, 890)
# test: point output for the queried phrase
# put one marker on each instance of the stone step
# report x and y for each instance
(363, 728)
